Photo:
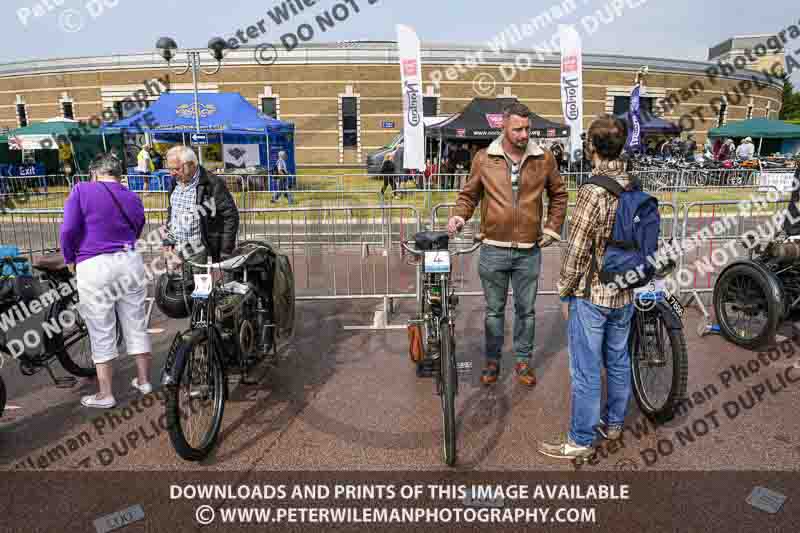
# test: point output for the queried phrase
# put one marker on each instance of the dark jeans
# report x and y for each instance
(498, 267)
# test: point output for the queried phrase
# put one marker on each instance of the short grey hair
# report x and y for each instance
(106, 164)
(184, 154)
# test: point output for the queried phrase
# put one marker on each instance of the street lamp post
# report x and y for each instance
(216, 46)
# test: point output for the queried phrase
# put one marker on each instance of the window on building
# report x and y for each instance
(430, 106)
(269, 106)
(128, 109)
(22, 115)
(349, 122)
(622, 104)
(723, 110)
(66, 110)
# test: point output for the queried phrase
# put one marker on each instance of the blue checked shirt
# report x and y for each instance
(184, 222)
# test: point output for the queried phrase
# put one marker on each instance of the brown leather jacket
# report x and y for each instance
(514, 219)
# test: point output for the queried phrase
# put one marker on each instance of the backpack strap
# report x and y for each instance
(615, 189)
(609, 184)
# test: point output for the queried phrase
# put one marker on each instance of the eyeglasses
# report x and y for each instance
(176, 169)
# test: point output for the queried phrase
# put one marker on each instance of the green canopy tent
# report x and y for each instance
(86, 142)
(758, 127)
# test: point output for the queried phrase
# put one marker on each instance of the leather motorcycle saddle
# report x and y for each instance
(431, 240)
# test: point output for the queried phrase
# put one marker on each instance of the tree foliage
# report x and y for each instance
(791, 101)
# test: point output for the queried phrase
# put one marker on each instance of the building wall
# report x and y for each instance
(309, 95)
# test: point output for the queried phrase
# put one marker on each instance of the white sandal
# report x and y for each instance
(145, 388)
(92, 401)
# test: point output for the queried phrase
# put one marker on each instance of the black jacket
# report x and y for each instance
(219, 219)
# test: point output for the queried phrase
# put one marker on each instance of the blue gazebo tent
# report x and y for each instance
(227, 118)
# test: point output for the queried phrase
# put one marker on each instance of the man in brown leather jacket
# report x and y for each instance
(507, 180)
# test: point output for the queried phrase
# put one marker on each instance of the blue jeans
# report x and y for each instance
(598, 335)
(496, 268)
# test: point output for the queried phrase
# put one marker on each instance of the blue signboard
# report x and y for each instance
(387, 124)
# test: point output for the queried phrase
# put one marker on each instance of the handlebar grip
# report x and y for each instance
(479, 237)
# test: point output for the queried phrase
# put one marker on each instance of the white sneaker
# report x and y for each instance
(562, 447)
(92, 401)
(145, 388)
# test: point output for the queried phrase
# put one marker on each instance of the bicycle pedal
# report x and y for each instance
(65, 382)
(425, 369)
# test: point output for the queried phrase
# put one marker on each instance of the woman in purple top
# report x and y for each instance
(102, 221)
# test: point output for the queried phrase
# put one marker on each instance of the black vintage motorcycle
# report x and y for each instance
(231, 329)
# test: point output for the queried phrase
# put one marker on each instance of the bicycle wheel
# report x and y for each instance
(448, 392)
(659, 364)
(196, 401)
(72, 346)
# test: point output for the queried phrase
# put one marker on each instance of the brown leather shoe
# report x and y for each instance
(525, 374)
(490, 372)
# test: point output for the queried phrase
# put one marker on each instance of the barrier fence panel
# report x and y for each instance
(711, 237)
(33, 192)
(465, 272)
(343, 253)
(34, 231)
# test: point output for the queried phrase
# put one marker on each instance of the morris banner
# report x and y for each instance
(572, 86)
(411, 76)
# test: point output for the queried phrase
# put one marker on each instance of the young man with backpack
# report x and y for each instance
(614, 229)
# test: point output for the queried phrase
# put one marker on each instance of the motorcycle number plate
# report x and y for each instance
(437, 261)
(675, 304)
(202, 286)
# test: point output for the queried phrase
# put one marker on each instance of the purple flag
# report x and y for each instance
(634, 144)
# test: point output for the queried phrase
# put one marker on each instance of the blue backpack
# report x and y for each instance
(634, 238)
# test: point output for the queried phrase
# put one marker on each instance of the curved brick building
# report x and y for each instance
(345, 98)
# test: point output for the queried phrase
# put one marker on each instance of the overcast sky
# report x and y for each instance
(682, 29)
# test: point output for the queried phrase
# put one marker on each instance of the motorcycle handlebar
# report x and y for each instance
(478, 240)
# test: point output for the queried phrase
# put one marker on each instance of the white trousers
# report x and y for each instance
(112, 286)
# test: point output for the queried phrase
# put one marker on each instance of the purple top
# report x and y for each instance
(93, 224)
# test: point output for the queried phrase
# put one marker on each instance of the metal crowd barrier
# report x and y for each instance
(351, 251)
(465, 268)
(711, 235)
(343, 253)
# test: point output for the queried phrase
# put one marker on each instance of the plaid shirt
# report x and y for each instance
(591, 222)
(184, 221)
